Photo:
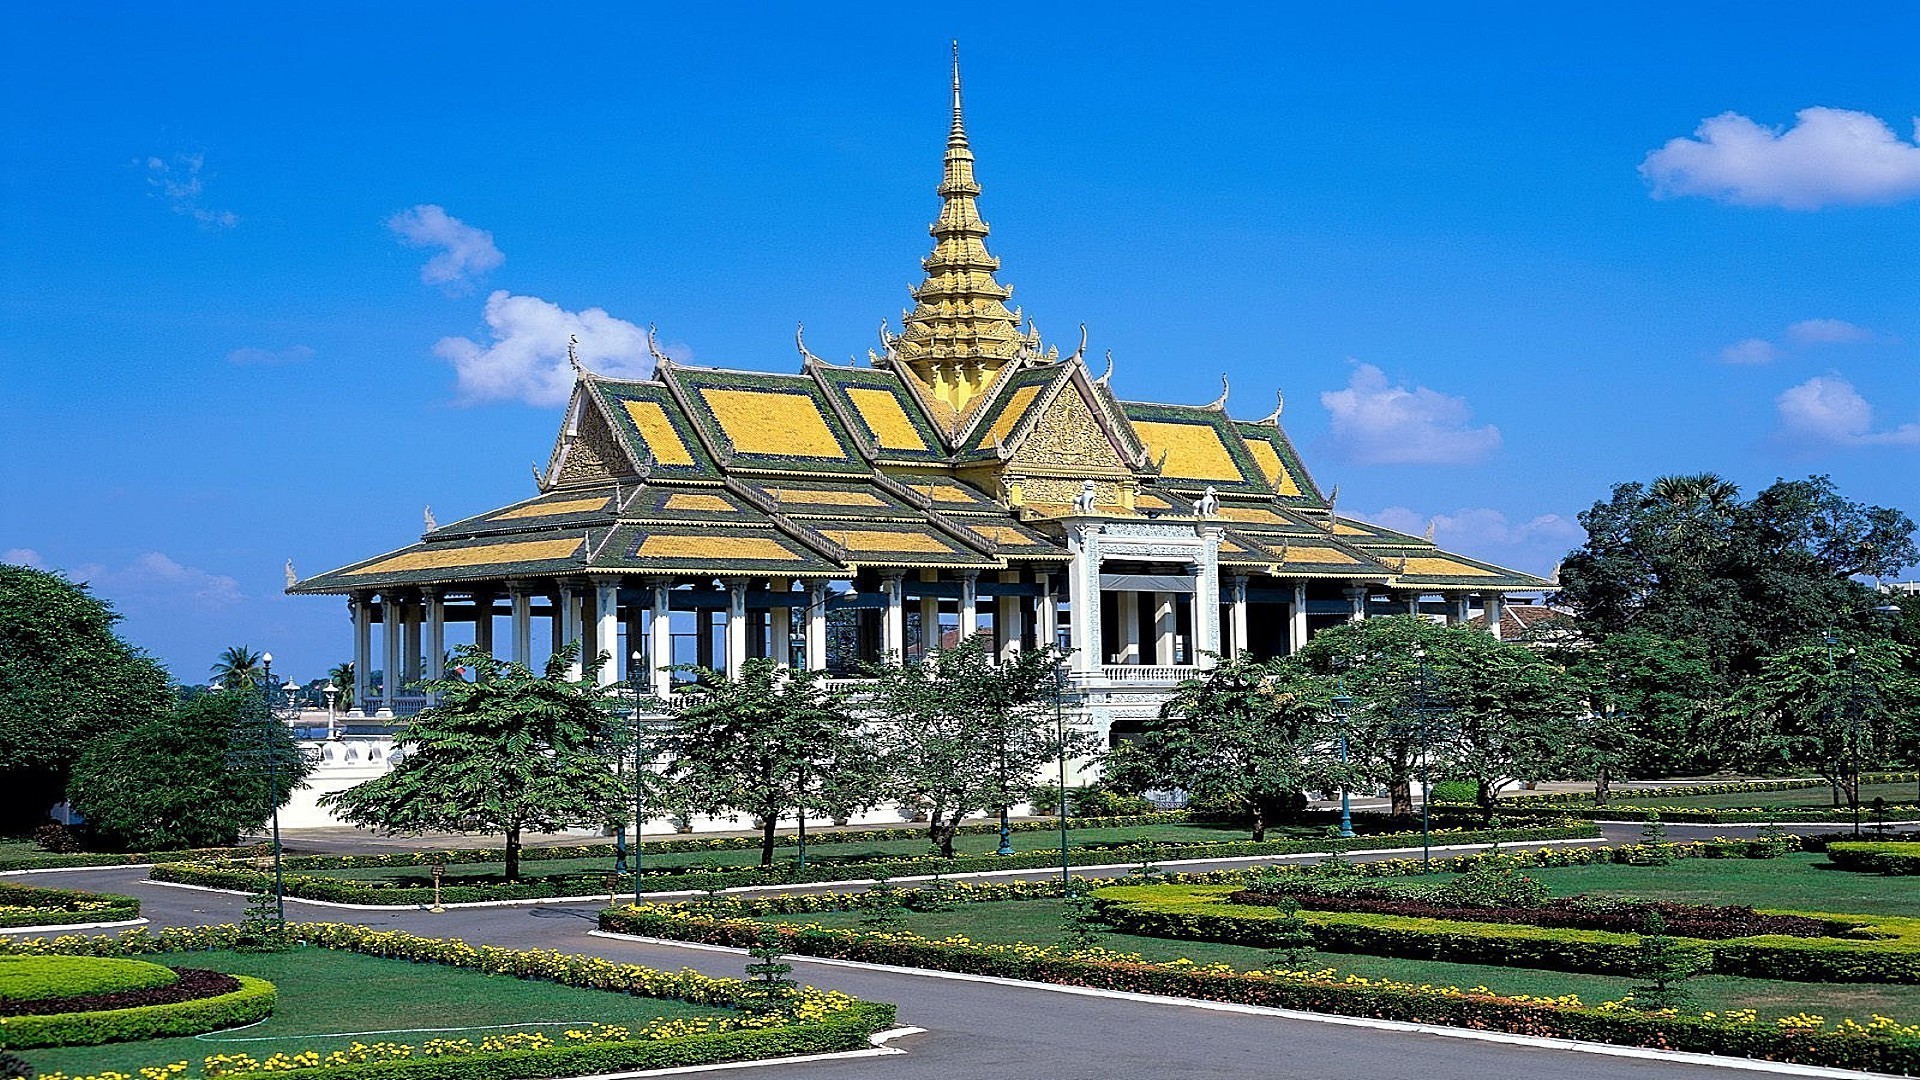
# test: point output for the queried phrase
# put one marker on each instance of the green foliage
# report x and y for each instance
(262, 928)
(508, 752)
(1503, 887)
(1893, 858)
(768, 987)
(881, 906)
(239, 668)
(1687, 558)
(1455, 791)
(966, 733)
(33, 978)
(14, 1067)
(34, 905)
(1243, 732)
(253, 1001)
(1292, 935)
(65, 679)
(1653, 710)
(1654, 849)
(1834, 708)
(769, 743)
(1665, 965)
(215, 768)
(1080, 925)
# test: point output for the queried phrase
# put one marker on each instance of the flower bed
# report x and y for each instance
(1685, 815)
(1879, 1045)
(1706, 922)
(1884, 857)
(222, 1002)
(247, 878)
(808, 1021)
(1727, 787)
(56, 861)
(32, 905)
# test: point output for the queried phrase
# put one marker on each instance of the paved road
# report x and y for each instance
(984, 1030)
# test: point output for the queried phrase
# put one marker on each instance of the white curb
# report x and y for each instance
(70, 927)
(879, 1039)
(1575, 1045)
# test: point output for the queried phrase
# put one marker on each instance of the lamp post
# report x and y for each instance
(635, 667)
(330, 690)
(1426, 780)
(1060, 732)
(273, 784)
(1343, 712)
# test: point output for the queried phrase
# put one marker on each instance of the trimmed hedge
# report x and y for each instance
(1881, 1046)
(1690, 815)
(1726, 787)
(53, 861)
(1891, 858)
(35, 978)
(337, 890)
(1885, 949)
(253, 1001)
(813, 1021)
(60, 907)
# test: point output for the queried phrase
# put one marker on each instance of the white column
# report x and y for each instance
(606, 629)
(434, 606)
(1206, 599)
(969, 604)
(1413, 603)
(1457, 609)
(736, 627)
(1496, 608)
(929, 614)
(1046, 613)
(390, 635)
(361, 605)
(1297, 618)
(1237, 597)
(893, 617)
(780, 622)
(569, 599)
(1083, 594)
(1128, 651)
(816, 634)
(1356, 603)
(1008, 622)
(522, 623)
(1166, 627)
(483, 620)
(660, 640)
(411, 661)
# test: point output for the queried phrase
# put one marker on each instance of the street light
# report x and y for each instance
(1426, 779)
(635, 663)
(1343, 712)
(273, 785)
(1060, 726)
(330, 690)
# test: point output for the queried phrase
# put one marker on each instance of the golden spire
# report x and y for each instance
(960, 333)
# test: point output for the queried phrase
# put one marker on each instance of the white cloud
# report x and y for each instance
(22, 557)
(1827, 332)
(1379, 424)
(1829, 157)
(176, 181)
(294, 354)
(1751, 351)
(1533, 545)
(1826, 409)
(466, 252)
(525, 358)
(157, 576)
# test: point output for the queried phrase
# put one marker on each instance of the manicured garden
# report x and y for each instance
(35, 905)
(1898, 796)
(354, 1002)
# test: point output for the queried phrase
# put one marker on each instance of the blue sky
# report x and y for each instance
(273, 280)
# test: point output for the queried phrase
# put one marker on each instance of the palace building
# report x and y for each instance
(970, 479)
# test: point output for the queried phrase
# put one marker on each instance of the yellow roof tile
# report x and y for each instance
(801, 496)
(771, 422)
(686, 501)
(883, 414)
(657, 431)
(714, 547)
(1269, 461)
(1015, 410)
(554, 509)
(1316, 555)
(1192, 451)
(482, 555)
(877, 540)
(1444, 568)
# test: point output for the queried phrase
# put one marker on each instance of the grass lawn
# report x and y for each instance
(330, 999)
(1818, 797)
(1796, 882)
(828, 851)
(1038, 922)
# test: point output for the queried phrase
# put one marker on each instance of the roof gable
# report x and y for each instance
(656, 430)
(1196, 447)
(883, 413)
(761, 422)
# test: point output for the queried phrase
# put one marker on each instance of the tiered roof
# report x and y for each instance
(960, 449)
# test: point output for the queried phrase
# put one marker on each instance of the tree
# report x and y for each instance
(65, 679)
(508, 752)
(238, 667)
(772, 742)
(961, 734)
(1686, 558)
(196, 778)
(1509, 709)
(342, 677)
(1831, 707)
(1645, 714)
(1245, 732)
(1398, 709)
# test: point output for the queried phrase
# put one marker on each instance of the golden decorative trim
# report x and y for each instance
(553, 509)
(519, 551)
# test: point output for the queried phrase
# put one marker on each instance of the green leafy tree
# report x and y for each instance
(1510, 710)
(770, 743)
(238, 667)
(1399, 705)
(961, 734)
(1833, 708)
(1686, 557)
(196, 778)
(1647, 712)
(1244, 732)
(66, 678)
(509, 752)
(342, 677)
(1665, 964)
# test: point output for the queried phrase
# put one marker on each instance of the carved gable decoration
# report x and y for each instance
(591, 453)
(1067, 436)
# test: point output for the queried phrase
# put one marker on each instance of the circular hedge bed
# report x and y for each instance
(32, 978)
(86, 1000)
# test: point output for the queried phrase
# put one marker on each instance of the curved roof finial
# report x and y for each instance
(573, 355)
(653, 346)
(1106, 376)
(800, 342)
(1220, 403)
(1279, 406)
(1082, 350)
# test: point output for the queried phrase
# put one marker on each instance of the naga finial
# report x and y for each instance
(573, 355)
(653, 346)
(1433, 525)
(1082, 350)
(293, 577)
(426, 514)
(800, 342)
(1106, 377)
(1279, 406)
(1220, 403)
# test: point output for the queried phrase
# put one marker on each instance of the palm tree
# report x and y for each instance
(342, 677)
(238, 667)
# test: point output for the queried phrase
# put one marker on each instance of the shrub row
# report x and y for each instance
(1686, 815)
(246, 878)
(690, 844)
(56, 861)
(1899, 859)
(58, 907)
(1879, 949)
(813, 1021)
(1726, 787)
(253, 1001)
(1882, 1045)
